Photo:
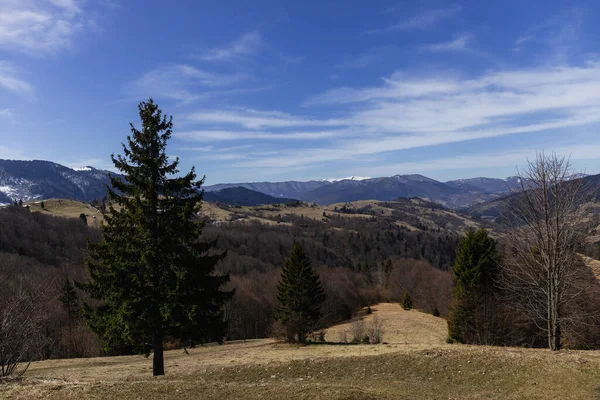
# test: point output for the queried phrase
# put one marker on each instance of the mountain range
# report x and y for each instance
(453, 194)
(30, 180)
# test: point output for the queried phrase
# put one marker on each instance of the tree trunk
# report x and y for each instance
(554, 332)
(158, 362)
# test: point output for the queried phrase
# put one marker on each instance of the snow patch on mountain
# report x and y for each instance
(349, 178)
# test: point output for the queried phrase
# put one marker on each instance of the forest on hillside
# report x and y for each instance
(45, 252)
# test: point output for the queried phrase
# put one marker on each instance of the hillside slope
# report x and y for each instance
(243, 197)
(29, 180)
(418, 368)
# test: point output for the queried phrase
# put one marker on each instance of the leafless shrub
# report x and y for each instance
(376, 330)
(358, 330)
(317, 336)
(21, 339)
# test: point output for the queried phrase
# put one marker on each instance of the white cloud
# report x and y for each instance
(511, 159)
(422, 21)
(181, 82)
(410, 112)
(558, 39)
(255, 119)
(460, 43)
(35, 26)
(224, 135)
(10, 81)
(246, 45)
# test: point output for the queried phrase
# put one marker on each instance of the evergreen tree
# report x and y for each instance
(474, 274)
(83, 218)
(155, 278)
(300, 295)
(70, 301)
(42, 205)
(406, 302)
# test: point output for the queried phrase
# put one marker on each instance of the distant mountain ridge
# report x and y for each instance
(30, 180)
(455, 194)
(37, 179)
(242, 196)
(288, 189)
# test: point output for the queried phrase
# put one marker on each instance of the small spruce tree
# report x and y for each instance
(300, 296)
(70, 301)
(42, 205)
(474, 274)
(156, 280)
(406, 302)
(83, 218)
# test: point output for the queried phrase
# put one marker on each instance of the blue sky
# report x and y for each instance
(267, 90)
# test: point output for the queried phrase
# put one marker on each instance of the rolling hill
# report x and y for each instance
(242, 196)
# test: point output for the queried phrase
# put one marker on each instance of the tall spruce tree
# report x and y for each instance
(154, 277)
(70, 301)
(475, 271)
(300, 296)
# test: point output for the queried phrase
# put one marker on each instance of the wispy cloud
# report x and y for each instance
(7, 113)
(557, 39)
(39, 26)
(422, 21)
(246, 45)
(205, 135)
(10, 81)
(366, 59)
(408, 112)
(490, 159)
(181, 82)
(256, 119)
(460, 43)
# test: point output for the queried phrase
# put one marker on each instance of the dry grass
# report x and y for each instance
(270, 215)
(415, 364)
(400, 327)
(67, 209)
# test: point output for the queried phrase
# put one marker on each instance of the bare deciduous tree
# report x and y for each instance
(543, 274)
(20, 330)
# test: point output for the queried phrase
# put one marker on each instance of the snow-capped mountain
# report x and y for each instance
(30, 180)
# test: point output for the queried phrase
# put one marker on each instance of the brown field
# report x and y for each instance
(270, 214)
(67, 209)
(414, 363)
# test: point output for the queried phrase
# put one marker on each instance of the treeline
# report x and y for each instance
(345, 242)
(250, 312)
(40, 254)
(534, 287)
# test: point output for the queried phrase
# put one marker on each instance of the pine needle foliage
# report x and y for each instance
(300, 296)
(475, 271)
(407, 302)
(152, 277)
